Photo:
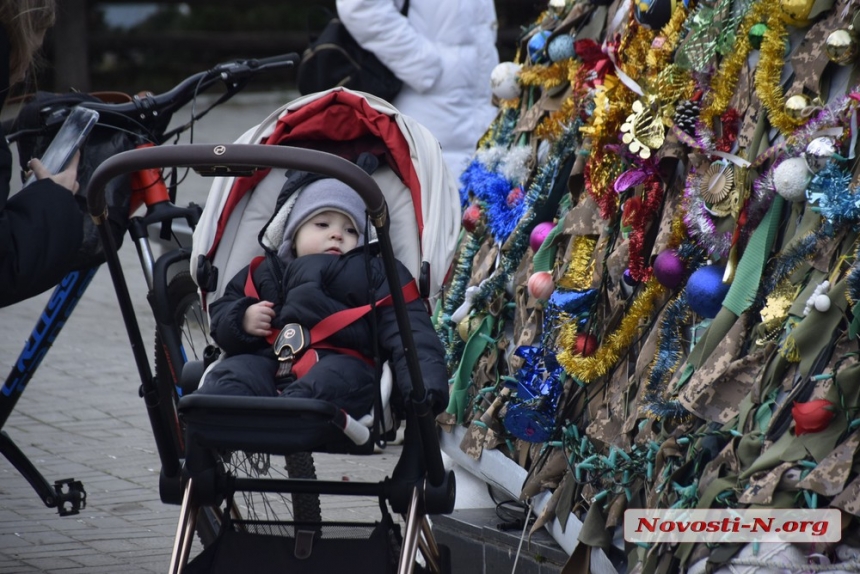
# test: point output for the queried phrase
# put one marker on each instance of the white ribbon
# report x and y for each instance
(737, 160)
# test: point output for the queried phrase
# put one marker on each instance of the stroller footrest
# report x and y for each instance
(265, 424)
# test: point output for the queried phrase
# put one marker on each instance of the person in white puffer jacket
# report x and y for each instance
(444, 52)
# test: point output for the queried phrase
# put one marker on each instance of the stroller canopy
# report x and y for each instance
(420, 191)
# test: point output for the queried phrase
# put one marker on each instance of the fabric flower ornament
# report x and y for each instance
(813, 416)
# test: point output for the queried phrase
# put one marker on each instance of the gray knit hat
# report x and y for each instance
(318, 196)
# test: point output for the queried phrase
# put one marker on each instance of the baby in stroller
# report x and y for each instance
(322, 267)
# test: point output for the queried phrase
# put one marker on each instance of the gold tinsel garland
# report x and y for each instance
(603, 106)
(548, 77)
(580, 269)
(588, 369)
(768, 73)
(551, 127)
(725, 81)
(660, 55)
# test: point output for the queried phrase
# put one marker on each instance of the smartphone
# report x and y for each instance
(69, 139)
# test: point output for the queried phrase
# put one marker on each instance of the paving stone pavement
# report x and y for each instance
(81, 417)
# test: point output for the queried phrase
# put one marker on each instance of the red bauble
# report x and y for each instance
(514, 197)
(586, 344)
(471, 217)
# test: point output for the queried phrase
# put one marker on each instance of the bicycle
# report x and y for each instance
(181, 330)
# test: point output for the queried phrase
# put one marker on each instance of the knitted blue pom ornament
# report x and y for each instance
(561, 48)
(706, 290)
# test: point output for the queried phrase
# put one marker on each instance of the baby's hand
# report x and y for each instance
(258, 319)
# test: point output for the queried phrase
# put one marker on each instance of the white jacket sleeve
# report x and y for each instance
(380, 28)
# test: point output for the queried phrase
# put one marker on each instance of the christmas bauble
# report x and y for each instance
(539, 233)
(628, 279)
(471, 217)
(756, 35)
(541, 285)
(796, 106)
(527, 422)
(561, 48)
(791, 178)
(706, 290)
(536, 46)
(841, 46)
(818, 153)
(653, 14)
(669, 269)
(586, 344)
(796, 12)
(515, 196)
(467, 326)
(504, 80)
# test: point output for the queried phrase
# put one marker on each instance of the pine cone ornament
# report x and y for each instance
(686, 115)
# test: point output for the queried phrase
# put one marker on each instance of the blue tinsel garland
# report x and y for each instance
(492, 190)
(831, 192)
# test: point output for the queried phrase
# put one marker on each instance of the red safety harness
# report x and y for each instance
(328, 326)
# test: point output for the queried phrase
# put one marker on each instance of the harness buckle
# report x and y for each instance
(290, 342)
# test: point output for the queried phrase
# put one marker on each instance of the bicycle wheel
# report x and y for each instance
(192, 330)
(190, 322)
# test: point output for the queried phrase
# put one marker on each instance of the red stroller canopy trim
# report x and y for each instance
(341, 117)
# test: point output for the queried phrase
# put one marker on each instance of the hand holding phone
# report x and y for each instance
(65, 145)
(68, 178)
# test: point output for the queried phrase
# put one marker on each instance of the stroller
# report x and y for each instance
(422, 213)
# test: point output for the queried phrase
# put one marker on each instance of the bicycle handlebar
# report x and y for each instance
(154, 111)
(230, 73)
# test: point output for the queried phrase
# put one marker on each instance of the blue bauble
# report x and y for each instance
(529, 423)
(536, 46)
(706, 290)
(653, 14)
(561, 48)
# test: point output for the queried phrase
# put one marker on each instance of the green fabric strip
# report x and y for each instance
(545, 256)
(475, 347)
(748, 274)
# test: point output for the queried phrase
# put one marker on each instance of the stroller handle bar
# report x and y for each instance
(243, 160)
(235, 160)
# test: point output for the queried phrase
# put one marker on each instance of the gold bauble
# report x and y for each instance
(796, 12)
(841, 46)
(467, 326)
(795, 105)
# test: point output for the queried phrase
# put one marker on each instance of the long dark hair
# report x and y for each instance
(25, 22)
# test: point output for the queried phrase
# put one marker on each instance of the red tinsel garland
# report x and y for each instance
(652, 199)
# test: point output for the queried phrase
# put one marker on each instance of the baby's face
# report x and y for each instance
(328, 232)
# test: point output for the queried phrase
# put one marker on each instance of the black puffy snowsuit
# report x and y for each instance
(305, 291)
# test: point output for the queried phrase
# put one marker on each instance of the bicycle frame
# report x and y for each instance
(69, 495)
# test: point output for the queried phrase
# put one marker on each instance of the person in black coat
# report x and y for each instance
(41, 227)
(320, 268)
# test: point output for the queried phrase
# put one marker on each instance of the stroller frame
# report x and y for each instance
(419, 486)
